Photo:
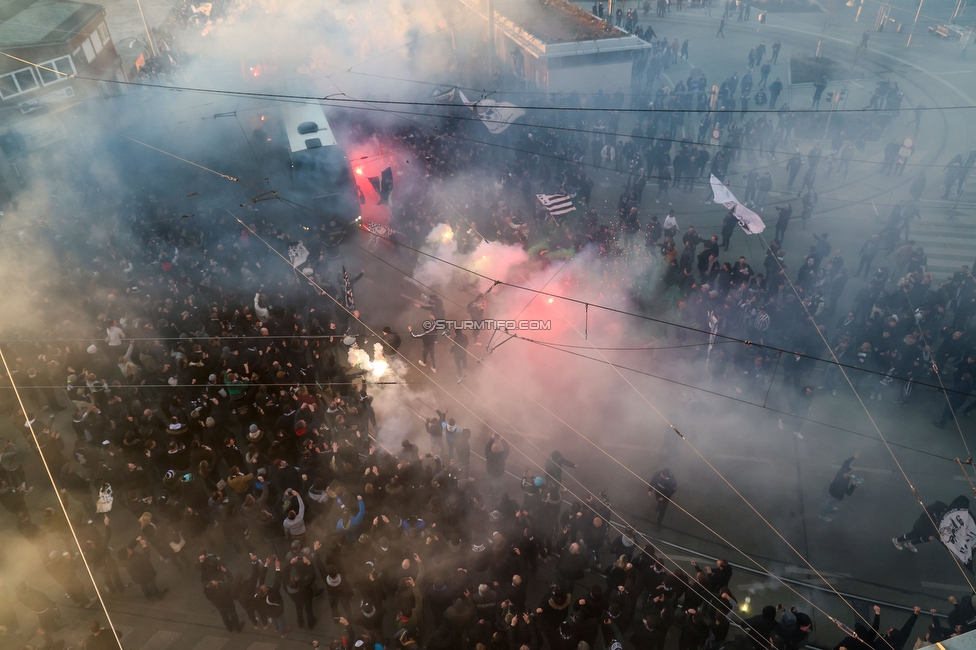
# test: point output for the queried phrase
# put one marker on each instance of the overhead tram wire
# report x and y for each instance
(57, 493)
(711, 530)
(521, 288)
(874, 424)
(556, 157)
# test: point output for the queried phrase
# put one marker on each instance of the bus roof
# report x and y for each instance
(307, 127)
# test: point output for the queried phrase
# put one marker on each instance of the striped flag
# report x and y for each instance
(556, 204)
(348, 300)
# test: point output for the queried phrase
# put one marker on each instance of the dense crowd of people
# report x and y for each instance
(213, 409)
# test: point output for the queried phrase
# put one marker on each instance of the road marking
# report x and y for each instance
(211, 643)
(752, 459)
(811, 572)
(161, 640)
(682, 558)
(960, 589)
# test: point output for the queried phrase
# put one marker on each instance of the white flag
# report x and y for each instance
(958, 532)
(497, 116)
(751, 222)
(297, 253)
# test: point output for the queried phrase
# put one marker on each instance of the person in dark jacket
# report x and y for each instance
(571, 568)
(42, 605)
(299, 587)
(101, 638)
(496, 451)
(135, 559)
(863, 637)
(895, 639)
(269, 601)
(842, 486)
(244, 592)
(763, 626)
(662, 488)
(221, 594)
(555, 464)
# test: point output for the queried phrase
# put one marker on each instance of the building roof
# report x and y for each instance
(554, 21)
(29, 23)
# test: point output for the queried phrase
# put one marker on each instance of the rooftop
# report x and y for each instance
(26, 23)
(554, 21)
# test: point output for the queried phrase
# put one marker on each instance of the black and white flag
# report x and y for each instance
(348, 300)
(496, 116)
(556, 204)
(297, 253)
(958, 531)
(445, 95)
(751, 222)
(383, 184)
